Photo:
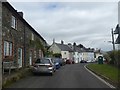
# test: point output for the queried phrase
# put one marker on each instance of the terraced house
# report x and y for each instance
(21, 44)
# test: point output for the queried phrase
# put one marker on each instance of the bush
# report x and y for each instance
(57, 55)
(114, 57)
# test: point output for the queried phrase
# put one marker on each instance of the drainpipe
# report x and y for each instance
(24, 47)
(0, 45)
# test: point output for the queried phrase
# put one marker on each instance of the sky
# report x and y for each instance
(87, 23)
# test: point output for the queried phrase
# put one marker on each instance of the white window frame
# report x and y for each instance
(13, 22)
(8, 48)
(32, 36)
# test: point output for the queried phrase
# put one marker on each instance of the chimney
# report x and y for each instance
(53, 40)
(21, 14)
(62, 42)
(70, 45)
(74, 46)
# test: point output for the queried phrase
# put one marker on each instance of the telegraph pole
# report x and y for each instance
(113, 40)
(1, 45)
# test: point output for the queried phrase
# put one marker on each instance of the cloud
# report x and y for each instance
(88, 23)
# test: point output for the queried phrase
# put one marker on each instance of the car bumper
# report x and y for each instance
(37, 70)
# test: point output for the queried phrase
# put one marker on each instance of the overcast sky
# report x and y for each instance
(87, 23)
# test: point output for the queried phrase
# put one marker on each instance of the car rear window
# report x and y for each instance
(43, 61)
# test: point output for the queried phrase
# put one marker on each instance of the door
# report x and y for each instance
(19, 57)
(30, 58)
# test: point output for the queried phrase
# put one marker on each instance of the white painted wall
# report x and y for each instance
(86, 56)
(76, 57)
(55, 49)
(65, 54)
(97, 55)
(71, 55)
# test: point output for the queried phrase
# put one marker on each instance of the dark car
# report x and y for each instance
(57, 63)
(73, 62)
(44, 65)
(68, 61)
(83, 61)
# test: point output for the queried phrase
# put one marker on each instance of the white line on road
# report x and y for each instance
(111, 86)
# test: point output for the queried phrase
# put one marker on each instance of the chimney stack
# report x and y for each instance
(62, 42)
(21, 14)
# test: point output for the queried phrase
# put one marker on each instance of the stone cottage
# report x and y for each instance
(21, 43)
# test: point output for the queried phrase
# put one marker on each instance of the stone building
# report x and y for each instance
(21, 43)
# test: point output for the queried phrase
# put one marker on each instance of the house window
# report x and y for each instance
(35, 54)
(32, 36)
(64, 52)
(7, 48)
(14, 22)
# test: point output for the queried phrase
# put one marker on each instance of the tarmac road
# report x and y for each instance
(68, 76)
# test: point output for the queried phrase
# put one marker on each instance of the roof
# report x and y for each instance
(64, 47)
(77, 49)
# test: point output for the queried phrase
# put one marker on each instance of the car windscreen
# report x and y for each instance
(56, 60)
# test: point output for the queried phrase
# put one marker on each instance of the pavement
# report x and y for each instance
(68, 76)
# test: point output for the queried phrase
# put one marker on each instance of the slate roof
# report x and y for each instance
(77, 49)
(64, 47)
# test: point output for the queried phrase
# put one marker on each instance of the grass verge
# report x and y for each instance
(108, 72)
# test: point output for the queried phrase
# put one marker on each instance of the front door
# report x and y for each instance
(19, 57)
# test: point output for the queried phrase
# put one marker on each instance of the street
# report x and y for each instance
(68, 76)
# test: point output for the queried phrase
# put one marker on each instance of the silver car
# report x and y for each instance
(44, 65)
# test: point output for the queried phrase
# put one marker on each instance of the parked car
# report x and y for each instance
(63, 62)
(83, 61)
(44, 65)
(68, 61)
(57, 63)
(73, 62)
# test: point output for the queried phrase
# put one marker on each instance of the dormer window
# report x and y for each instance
(14, 22)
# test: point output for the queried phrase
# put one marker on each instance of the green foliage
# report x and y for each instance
(37, 44)
(58, 55)
(106, 70)
(114, 57)
(107, 57)
(48, 54)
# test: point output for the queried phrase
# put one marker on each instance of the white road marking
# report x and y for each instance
(111, 86)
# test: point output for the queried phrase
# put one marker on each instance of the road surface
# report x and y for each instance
(68, 76)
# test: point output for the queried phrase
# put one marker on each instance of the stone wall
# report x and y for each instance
(21, 37)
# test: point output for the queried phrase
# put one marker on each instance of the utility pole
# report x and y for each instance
(113, 40)
(1, 45)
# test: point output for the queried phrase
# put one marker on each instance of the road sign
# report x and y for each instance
(117, 31)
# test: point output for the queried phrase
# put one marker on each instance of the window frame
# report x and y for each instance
(13, 22)
(8, 49)
(32, 37)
